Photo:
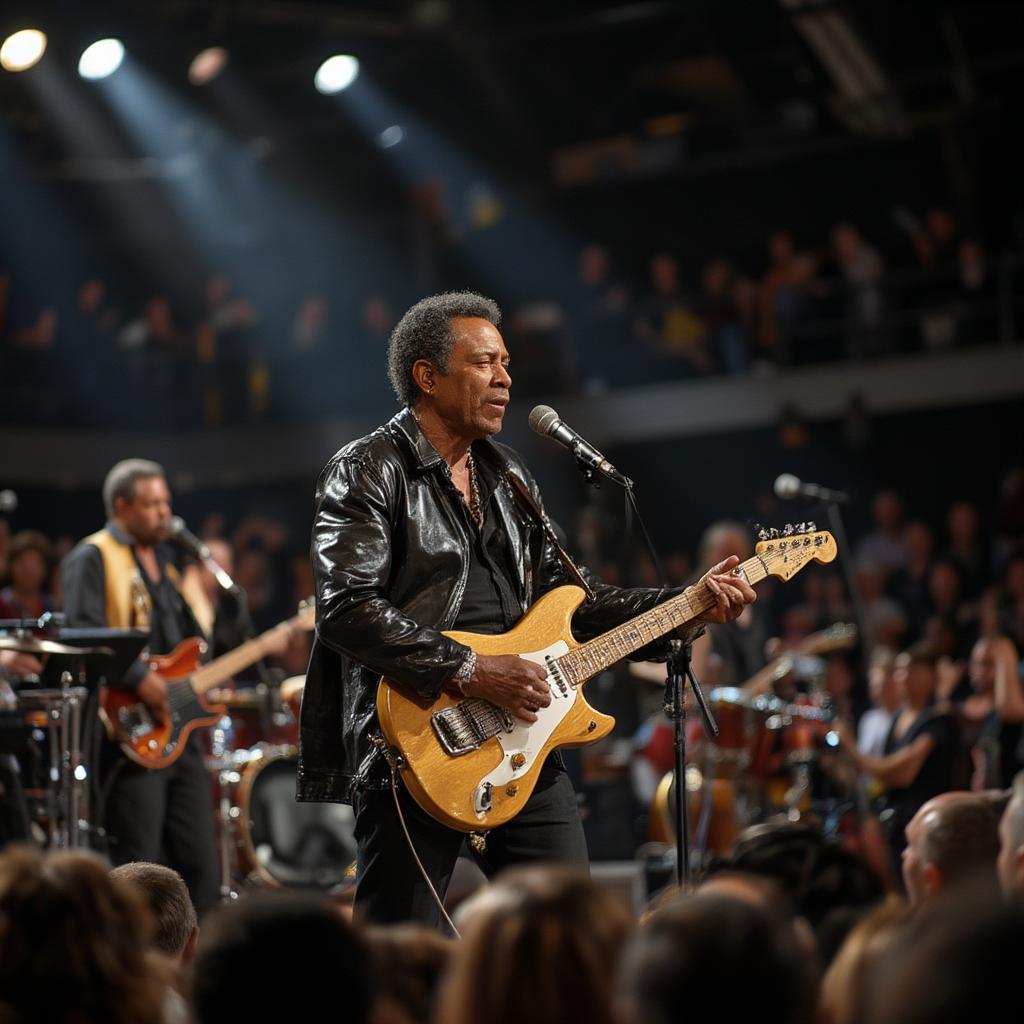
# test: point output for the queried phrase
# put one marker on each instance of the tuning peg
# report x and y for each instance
(787, 530)
(801, 527)
(811, 528)
(773, 534)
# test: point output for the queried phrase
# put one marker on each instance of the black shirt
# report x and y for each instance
(935, 775)
(489, 604)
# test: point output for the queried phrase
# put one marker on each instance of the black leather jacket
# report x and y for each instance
(390, 559)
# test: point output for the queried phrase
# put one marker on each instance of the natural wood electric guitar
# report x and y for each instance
(472, 765)
(129, 722)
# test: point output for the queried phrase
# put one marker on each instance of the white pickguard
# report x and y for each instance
(527, 739)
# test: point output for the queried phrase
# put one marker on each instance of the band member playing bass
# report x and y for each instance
(122, 577)
(425, 525)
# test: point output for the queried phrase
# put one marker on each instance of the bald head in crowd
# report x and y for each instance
(1011, 842)
(952, 837)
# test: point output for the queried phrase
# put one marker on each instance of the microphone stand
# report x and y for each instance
(678, 669)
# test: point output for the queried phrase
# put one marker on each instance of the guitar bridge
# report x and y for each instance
(462, 727)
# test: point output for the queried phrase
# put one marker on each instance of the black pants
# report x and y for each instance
(164, 816)
(389, 886)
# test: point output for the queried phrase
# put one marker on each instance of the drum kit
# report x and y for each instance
(45, 716)
(264, 836)
(763, 762)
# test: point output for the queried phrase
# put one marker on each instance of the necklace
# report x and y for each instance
(475, 508)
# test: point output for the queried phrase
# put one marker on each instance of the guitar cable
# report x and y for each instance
(394, 760)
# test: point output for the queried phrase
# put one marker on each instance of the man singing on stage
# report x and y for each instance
(122, 577)
(419, 529)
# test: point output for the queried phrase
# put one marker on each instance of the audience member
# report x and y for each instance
(176, 928)
(716, 958)
(275, 956)
(920, 752)
(1011, 842)
(953, 838)
(74, 943)
(29, 563)
(408, 964)
(844, 986)
(523, 938)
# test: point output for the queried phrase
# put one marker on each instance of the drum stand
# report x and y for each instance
(67, 788)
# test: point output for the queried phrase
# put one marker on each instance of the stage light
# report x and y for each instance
(391, 136)
(207, 65)
(336, 73)
(101, 59)
(22, 49)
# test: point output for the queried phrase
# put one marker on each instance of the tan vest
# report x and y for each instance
(128, 601)
(129, 605)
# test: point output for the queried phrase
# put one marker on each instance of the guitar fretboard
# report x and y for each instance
(596, 655)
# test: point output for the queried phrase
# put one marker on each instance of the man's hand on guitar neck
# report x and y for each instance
(152, 691)
(731, 593)
(511, 682)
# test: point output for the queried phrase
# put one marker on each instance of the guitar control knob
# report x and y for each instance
(511, 790)
(152, 744)
(518, 760)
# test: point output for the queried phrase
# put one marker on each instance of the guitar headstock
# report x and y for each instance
(785, 552)
(839, 637)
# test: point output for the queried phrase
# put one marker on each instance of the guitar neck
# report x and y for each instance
(240, 658)
(596, 655)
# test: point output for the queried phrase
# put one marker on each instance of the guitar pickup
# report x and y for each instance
(463, 727)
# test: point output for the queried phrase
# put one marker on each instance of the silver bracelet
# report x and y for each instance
(465, 672)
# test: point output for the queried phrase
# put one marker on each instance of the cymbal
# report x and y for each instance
(34, 645)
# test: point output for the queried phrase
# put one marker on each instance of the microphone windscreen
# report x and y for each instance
(175, 525)
(542, 418)
(787, 485)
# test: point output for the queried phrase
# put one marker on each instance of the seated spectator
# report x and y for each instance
(176, 930)
(908, 584)
(965, 548)
(953, 838)
(844, 987)
(920, 752)
(861, 267)
(885, 620)
(727, 336)
(524, 937)
(992, 717)
(874, 725)
(820, 880)
(958, 960)
(29, 562)
(1010, 863)
(884, 546)
(408, 964)
(715, 958)
(667, 324)
(74, 943)
(262, 957)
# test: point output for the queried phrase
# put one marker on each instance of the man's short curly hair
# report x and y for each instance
(425, 332)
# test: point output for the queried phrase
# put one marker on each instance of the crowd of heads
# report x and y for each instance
(82, 943)
(215, 356)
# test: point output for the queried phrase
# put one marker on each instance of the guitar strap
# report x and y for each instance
(520, 490)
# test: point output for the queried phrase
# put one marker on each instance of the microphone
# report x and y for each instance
(544, 420)
(190, 542)
(8, 501)
(789, 486)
